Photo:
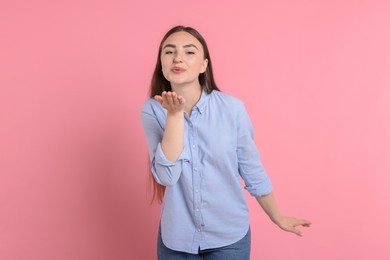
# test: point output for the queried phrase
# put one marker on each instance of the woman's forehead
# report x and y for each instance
(180, 39)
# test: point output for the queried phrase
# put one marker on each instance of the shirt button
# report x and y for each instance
(198, 230)
(193, 146)
(196, 209)
(195, 169)
(196, 190)
(191, 124)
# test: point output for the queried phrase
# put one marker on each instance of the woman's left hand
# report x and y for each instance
(289, 224)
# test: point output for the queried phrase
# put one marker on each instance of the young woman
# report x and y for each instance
(200, 143)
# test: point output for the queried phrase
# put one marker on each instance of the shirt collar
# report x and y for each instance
(201, 104)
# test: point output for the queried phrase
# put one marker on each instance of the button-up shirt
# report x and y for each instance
(204, 205)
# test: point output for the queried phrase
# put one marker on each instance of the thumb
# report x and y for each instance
(296, 231)
(181, 100)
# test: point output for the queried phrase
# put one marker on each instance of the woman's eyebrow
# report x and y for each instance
(169, 45)
(185, 46)
(190, 45)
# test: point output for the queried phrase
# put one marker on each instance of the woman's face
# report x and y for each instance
(182, 59)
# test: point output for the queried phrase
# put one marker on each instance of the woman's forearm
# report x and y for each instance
(173, 140)
(270, 207)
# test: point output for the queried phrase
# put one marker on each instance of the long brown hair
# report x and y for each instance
(160, 84)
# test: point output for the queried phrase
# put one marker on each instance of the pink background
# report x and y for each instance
(315, 76)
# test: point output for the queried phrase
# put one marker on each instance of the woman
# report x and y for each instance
(200, 143)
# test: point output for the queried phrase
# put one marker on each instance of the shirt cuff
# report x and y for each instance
(261, 189)
(162, 160)
(166, 172)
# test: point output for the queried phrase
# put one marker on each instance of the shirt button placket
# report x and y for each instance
(196, 177)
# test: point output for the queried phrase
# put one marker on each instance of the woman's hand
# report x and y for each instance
(289, 224)
(171, 101)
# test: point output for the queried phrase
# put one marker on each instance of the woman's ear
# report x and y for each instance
(204, 65)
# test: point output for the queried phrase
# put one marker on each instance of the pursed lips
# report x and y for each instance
(177, 70)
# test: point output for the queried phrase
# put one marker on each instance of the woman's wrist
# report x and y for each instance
(174, 114)
(277, 220)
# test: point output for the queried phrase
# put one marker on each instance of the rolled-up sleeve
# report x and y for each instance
(165, 172)
(250, 167)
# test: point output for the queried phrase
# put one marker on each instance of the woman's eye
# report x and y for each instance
(168, 52)
(190, 52)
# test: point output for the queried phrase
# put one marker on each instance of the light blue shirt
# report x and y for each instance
(204, 204)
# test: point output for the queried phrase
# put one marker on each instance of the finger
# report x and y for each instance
(168, 98)
(304, 222)
(299, 222)
(181, 100)
(297, 232)
(159, 99)
(165, 97)
(174, 99)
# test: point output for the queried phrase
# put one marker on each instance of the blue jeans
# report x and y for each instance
(237, 251)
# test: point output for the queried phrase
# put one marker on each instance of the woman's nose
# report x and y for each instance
(177, 58)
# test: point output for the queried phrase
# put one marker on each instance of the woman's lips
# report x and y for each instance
(178, 70)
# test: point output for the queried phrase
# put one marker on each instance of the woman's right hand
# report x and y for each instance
(171, 101)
